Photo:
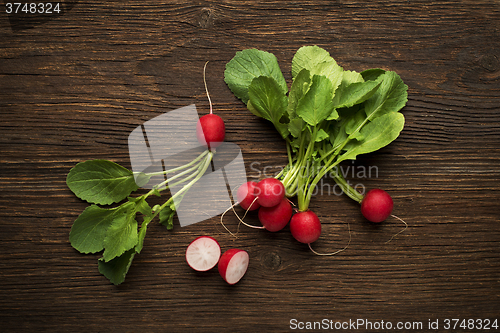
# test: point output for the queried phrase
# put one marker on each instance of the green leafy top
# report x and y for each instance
(116, 231)
(328, 115)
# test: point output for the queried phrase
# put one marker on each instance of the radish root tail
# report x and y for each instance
(338, 251)
(239, 218)
(206, 89)
(244, 215)
(248, 209)
(406, 227)
(221, 222)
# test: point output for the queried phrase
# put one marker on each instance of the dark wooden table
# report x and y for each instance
(74, 85)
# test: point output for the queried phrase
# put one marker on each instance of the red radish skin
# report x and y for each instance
(210, 130)
(277, 217)
(305, 227)
(377, 205)
(246, 196)
(270, 192)
(233, 265)
(203, 253)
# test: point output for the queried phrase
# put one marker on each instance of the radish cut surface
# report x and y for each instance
(203, 253)
(233, 265)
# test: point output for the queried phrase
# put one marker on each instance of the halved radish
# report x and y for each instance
(203, 253)
(233, 265)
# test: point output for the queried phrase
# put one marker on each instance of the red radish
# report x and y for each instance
(210, 129)
(277, 217)
(270, 192)
(233, 265)
(203, 253)
(305, 227)
(246, 196)
(377, 205)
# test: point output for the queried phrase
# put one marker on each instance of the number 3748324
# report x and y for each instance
(32, 8)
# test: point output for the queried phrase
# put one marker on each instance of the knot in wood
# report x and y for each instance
(206, 18)
(271, 260)
(490, 62)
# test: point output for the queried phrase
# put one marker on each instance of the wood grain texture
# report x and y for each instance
(73, 86)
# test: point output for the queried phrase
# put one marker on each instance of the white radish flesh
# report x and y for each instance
(203, 253)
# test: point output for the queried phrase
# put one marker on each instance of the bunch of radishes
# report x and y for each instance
(268, 196)
(327, 115)
(275, 210)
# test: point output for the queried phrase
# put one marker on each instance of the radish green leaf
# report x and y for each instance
(167, 216)
(89, 229)
(376, 134)
(121, 235)
(248, 65)
(354, 93)
(318, 61)
(316, 105)
(268, 101)
(390, 97)
(101, 182)
(116, 270)
(298, 89)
